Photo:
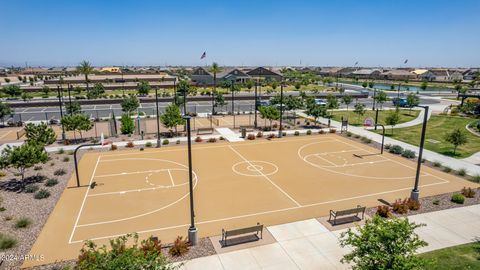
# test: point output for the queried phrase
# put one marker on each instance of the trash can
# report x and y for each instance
(244, 132)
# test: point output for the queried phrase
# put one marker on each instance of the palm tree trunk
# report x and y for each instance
(213, 92)
(86, 81)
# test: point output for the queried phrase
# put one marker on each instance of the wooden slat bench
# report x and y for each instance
(254, 229)
(20, 133)
(203, 131)
(348, 212)
(248, 128)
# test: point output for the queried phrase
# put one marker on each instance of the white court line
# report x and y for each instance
(29, 119)
(266, 177)
(360, 163)
(324, 159)
(83, 202)
(335, 152)
(171, 178)
(6, 134)
(127, 173)
(228, 122)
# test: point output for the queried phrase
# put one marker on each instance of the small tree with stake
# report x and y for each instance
(456, 138)
(316, 110)
(130, 104)
(172, 118)
(128, 126)
(41, 133)
(359, 109)
(77, 122)
(4, 110)
(347, 100)
(392, 119)
(412, 100)
(143, 88)
(23, 157)
(270, 113)
(73, 108)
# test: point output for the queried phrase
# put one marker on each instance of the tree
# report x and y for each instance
(380, 98)
(456, 137)
(97, 91)
(7, 80)
(86, 69)
(172, 117)
(127, 124)
(130, 104)
(364, 84)
(383, 244)
(371, 84)
(332, 102)
(316, 110)
(297, 85)
(46, 90)
(214, 69)
(4, 110)
(412, 100)
(274, 85)
(359, 109)
(219, 100)
(292, 103)
(424, 85)
(26, 96)
(143, 88)
(347, 100)
(41, 133)
(183, 88)
(393, 118)
(77, 122)
(270, 113)
(12, 90)
(73, 108)
(23, 157)
(249, 84)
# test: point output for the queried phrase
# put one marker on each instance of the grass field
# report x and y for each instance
(353, 119)
(458, 257)
(437, 127)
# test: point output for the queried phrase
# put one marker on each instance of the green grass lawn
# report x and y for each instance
(353, 119)
(437, 127)
(458, 257)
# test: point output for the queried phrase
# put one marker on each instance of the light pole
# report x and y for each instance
(233, 102)
(175, 90)
(255, 106)
(192, 230)
(281, 111)
(61, 112)
(158, 118)
(70, 98)
(414, 195)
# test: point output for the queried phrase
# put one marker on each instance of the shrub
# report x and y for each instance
(387, 146)
(179, 247)
(71, 152)
(309, 132)
(23, 223)
(7, 242)
(462, 172)
(66, 159)
(408, 153)
(284, 133)
(148, 144)
(436, 202)
(321, 131)
(468, 192)
(413, 204)
(296, 133)
(366, 140)
(59, 172)
(251, 137)
(400, 207)
(42, 194)
(177, 142)
(212, 140)
(165, 142)
(271, 136)
(476, 178)
(458, 198)
(447, 169)
(221, 138)
(37, 168)
(141, 148)
(31, 188)
(8, 218)
(332, 130)
(259, 134)
(396, 149)
(349, 134)
(2, 209)
(51, 182)
(113, 147)
(198, 139)
(384, 211)
(437, 164)
(356, 136)
(130, 144)
(61, 151)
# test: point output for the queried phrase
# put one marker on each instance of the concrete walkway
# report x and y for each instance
(310, 245)
(229, 135)
(414, 122)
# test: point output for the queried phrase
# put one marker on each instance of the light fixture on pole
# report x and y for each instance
(255, 105)
(192, 230)
(158, 118)
(61, 112)
(281, 111)
(415, 194)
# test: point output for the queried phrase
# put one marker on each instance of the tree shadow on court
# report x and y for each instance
(18, 186)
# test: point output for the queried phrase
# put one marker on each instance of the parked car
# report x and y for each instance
(320, 101)
(261, 103)
(400, 102)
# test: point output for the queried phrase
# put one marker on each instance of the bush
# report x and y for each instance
(468, 192)
(59, 172)
(296, 133)
(212, 140)
(332, 130)
(51, 182)
(408, 153)
(384, 211)
(271, 136)
(458, 198)
(366, 140)
(198, 139)
(447, 169)
(113, 147)
(66, 159)
(61, 151)
(309, 132)
(71, 152)
(179, 247)
(31, 188)
(130, 144)
(42, 194)
(165, 142)
(476, 178)
(37, 168)
(284, 133)
(2, 209)
(396, 149)
(436, 202)
(437, 164)
(259, 134)
(413, 204)
(177, 142)
(148, 144)
(349, 134)
(462, 172)
(23, 223)
(7, 242)
(400, 207)
(251, 137)
(321, 131)
(387, 146)
(221, 138)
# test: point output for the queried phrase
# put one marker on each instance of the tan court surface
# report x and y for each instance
(9, 134)
(236, 185)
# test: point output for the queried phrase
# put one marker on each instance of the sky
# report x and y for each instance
(433, 33)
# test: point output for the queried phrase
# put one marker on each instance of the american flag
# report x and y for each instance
(204, 54)
(406, 60)
(356, 63)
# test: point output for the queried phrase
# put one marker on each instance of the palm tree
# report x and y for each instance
(86, 69)
(214, 69)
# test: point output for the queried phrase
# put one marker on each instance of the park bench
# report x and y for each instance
(203, 131)
(20, 133)
(248, 128)
(348, 212)
(254, 229)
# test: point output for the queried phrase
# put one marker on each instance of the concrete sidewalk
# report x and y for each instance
(310, 245)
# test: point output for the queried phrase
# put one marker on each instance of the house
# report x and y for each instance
(110, 70)
(471, 74)
(441, 75)
(419, 72)
(204, 77)
(398, 74)
(262, 73)
(456, 74)
(329, 71)
(366, 73)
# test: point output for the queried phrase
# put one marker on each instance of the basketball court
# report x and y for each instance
(235, 185)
